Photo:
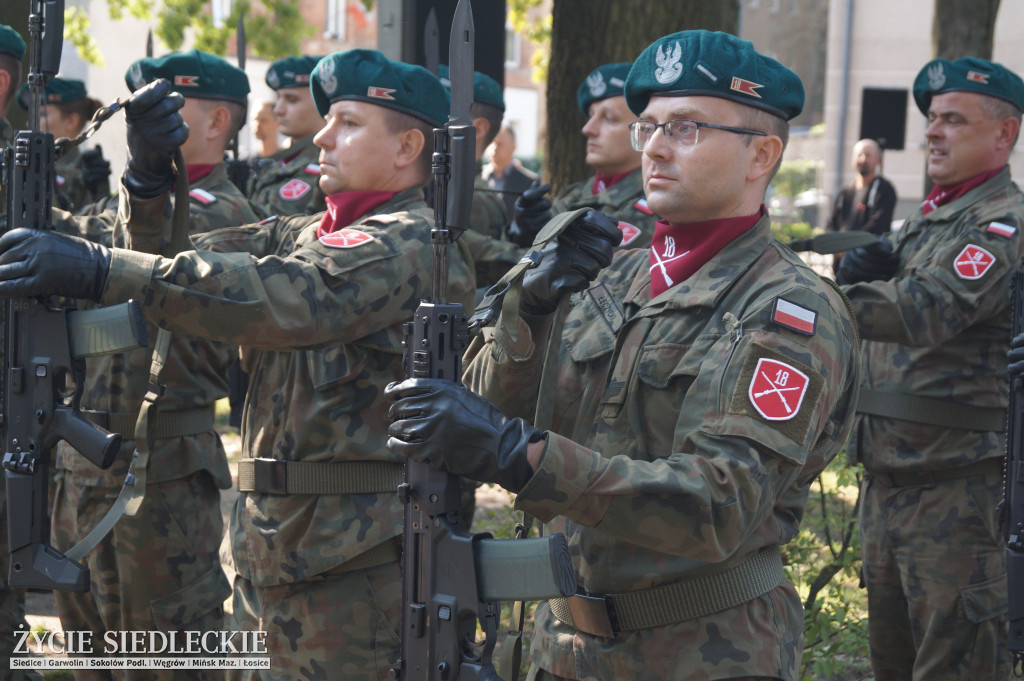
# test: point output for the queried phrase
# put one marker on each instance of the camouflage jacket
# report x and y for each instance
(687, 430)
(323, 321)
(488, 215)
(288, 183)
(6, 138)
(194, 373)
(940, 328)
(70, 190)
(624, 201)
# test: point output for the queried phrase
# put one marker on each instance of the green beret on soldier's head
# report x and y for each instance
(967, 74)
(603, 82)
(57, 91)
(706, 63)
(485, 89)
(368, 76)
(291, 72)
(11, 42)
(194, 74)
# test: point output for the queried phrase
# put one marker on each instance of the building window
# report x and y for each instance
(220, 9)
(513, 47)
(336, 18)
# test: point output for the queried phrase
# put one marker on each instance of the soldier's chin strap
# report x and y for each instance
(133, 490)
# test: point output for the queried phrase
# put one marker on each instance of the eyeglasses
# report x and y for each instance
(682, 131)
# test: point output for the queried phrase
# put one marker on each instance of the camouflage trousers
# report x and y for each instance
(157, 571)
(935, 569)
(538, 674)
(338, 625)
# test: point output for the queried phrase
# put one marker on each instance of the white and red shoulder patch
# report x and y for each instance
(1001, 229)
(346, 238)
(629, 233)
(293, 189)
(381, 219)
(641, 206)
(312, 169)
(794, 317)
(973, 262)
(777, 389)
(202, 196)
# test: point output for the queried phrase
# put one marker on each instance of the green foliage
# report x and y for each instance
(795, 177)
(76, 30)
(536, 30)
(787, 231)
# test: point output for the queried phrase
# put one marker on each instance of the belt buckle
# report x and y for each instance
(592, 614)
(270, 476)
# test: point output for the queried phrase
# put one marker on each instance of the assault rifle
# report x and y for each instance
(46, 344)
(453, 579)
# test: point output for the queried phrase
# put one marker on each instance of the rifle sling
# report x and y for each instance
(164, 423)
(605, 616)
(272, 476)
(930, 411)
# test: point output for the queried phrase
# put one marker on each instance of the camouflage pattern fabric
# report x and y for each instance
(487, 214)
(321, 321)
(940, 329)
(356, 639)
(624, 201)
(934, 562)
(70, 190)
(288, 183)
(673, 452)
(184, 586)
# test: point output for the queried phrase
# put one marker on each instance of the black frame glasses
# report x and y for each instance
(680, 137)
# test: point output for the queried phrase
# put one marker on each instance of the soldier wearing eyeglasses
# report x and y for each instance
(700, 386)
(616, 188)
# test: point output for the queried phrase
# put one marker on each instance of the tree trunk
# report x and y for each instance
(964, 29)
(588, 33)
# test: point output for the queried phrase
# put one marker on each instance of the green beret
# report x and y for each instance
(369, 76)
(11, 43)
(605, 81)
(193, 74)
(291, 72)
(485, 89)
(57, 91)
(696, 63)
(967, 74)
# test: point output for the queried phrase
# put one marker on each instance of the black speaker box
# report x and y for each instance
(883, 116)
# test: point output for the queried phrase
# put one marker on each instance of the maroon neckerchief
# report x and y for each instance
(677, 251)
(940, 196)
(197, 171)
(606, 182)
(344, 208)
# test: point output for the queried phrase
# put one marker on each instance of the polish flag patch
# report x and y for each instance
(973, 262)
(202, 196)
(346, 238)
(312, 169)
(380, 92)
(976, 77)
(294, 189)
(794, 317)
(187, 81)
(747, 87)
(1001, 229)
(777, 389)
(629, 233)
(641, 206)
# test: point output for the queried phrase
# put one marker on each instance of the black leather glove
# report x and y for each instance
(876, 262)
(532, 211)
(1016, 356)
(155, 131)
(570, 262)
(35, 262)
(96, 172)
(450, 428)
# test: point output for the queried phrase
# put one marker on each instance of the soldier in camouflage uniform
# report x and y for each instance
(66, 110)
(320, 301)
(700, 387)
(12, 601)
(287, 183)
(933, 305)
(617, 187)
(160, 569)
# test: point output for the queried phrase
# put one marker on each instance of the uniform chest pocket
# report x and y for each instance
(333, 366)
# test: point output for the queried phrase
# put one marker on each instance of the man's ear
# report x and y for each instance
(5, 84)
(1006, 133)
(410, 146)
(220, 122)
(767, 151)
